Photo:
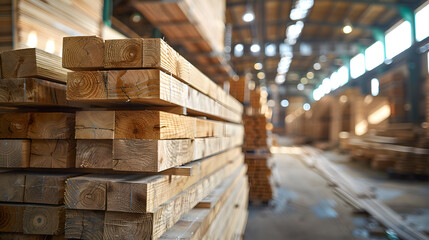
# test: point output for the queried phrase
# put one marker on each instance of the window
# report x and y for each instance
(374, 55)
(343, 75)
(422, 19)
(357, 65)
(398, 39)
(374, 87)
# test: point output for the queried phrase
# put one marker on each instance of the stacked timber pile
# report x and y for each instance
(257, 157)
(240, 89)
(294, 120)
(392, 86)
(165, 156)
(321, 118)
(198, 26)
(43, 24)
(400, 149)
(341, 114)
(37, 145)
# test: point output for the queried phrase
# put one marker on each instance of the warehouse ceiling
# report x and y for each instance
(322, 40)
(320, 48)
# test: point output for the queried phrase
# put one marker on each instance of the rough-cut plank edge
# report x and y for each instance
(202, 83)
(157, 163)
(169, 92)
(191, 227)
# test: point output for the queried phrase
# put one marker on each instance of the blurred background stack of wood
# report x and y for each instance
(43, 24)
(397, 149)
(37, 142)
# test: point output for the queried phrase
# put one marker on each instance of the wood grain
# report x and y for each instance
(147, 86)
(84, 224)
(147, 124)
(123, 53)
(45, 188)
(47, 220)
(11, 216)
(83, 52)
(12, 186)
(144, 194)
(26, 92)
(153, 225)
(14, 153)
(32, 62)
(53, 153)
(94, 154)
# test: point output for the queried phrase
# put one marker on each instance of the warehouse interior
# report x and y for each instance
(214, 119)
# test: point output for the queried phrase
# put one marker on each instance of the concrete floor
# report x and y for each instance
(306, 208)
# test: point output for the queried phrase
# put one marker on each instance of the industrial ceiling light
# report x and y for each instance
(300, 87)
(310, 75)
(249, 15)
(304, 80)
(261, 75)
(348, 28)
(136, 17)
(258, 66)
(317, 66)
(255, 48)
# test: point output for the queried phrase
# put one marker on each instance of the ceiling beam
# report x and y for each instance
(310, 22)
(395, 4)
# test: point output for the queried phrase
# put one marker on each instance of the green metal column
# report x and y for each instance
(414, 66)
(107, 12)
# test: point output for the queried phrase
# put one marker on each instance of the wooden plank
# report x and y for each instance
(123, 53)
(14, 125)
(45, 188)
(51, 126)
(12, 217)
(84, 224)
(226, 219)
(37, 125)
(153, 225)
(88, 192)
(56, 153)
(20, 236)
(94, 154)
(151, 155)
(147, 124)
(144, 53)
(144, 194)
(83, 53)
(14, 153)
(41, 219)
(33, 92)
(133, 155)
(145, 86)
(32, 62)
(12, 186)
(194, 224)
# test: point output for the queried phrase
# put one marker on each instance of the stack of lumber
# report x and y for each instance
(398, 149)
(37, 140)
(259, 174)
(257, 157)
(321, 118)
(294, 120)
(255, 136)
(239, 89)
(393, 87)
(341, 114)
(43, 24)
(164, 158)
(198, 26)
